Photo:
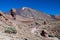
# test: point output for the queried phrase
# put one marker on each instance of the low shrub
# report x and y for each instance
(10, 30)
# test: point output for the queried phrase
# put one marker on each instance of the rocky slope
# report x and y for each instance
(28, 24)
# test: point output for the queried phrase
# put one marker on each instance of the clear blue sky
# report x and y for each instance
(46, 6)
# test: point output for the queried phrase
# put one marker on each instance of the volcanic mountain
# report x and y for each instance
(31, 13)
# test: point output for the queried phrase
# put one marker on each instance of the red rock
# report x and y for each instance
(57, 17)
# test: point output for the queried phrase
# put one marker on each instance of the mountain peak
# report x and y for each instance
(23, 8)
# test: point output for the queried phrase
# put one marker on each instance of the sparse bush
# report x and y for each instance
(37, 23)
(10, 30)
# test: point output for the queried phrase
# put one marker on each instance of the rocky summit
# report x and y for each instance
(28, 25)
